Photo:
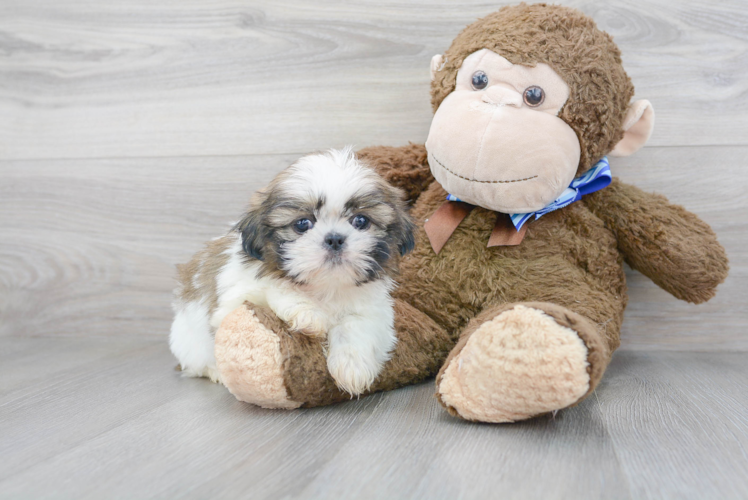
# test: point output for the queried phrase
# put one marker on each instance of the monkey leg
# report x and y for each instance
(262, 363)
(517, 361)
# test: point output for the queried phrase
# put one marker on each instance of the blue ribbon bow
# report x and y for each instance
(594, 179)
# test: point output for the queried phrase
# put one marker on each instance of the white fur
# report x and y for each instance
(191, 342)
(326, 300)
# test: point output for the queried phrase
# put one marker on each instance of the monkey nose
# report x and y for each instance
(502, 96)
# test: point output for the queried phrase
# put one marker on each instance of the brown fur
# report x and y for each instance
(387, 210)
(597, 344)
(407, 169)
(206, 265)
(665, 242)
(268, 221)
(570, 43)
(580, 270)
(570, 264)
(421, 349)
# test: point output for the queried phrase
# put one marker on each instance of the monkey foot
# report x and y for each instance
(521, 363)
(249, 360)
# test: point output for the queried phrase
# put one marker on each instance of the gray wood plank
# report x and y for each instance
(713, 183)
(65, 408)
(90, 245)
(32, 360)
(662, 425)
(173, 78)
(442, 457)
(132, 133)
(678, 423)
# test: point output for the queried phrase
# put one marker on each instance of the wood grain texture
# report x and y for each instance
(89, 247)
(674, 420)
(183, 78)
(662, 425)
(130, 133)
(713, 183)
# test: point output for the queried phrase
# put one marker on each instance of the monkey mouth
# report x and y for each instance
(477, 180)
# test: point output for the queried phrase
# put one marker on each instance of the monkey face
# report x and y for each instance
(497, 142)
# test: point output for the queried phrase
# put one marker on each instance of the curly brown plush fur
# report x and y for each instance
(564, 284)
(570, 266)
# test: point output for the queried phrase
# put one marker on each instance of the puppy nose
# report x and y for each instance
(334, 241)
(502, 96)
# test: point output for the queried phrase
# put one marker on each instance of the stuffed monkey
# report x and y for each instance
(514, 294)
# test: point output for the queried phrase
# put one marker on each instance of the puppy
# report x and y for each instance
(319, 246)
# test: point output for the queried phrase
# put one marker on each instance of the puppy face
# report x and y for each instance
(327, 220)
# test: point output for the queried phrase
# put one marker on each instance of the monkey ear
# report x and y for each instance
(637, 127)
(436, 64)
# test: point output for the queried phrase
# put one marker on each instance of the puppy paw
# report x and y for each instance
(212, 374)
(308, 320)
(209, 372)
(352, 372)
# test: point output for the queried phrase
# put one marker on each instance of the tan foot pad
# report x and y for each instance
(250, 362)
(516, 366)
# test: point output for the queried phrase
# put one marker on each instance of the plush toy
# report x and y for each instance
(514, 294)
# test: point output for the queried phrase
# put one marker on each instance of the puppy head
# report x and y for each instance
(328, 220)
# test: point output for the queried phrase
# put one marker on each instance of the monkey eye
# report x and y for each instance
(534, 96)
(303, 225)
(360, 222)
(480, 80)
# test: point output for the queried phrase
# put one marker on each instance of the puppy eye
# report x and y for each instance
(360, 222)
(534, 96)
(480, 80)
(303, 225)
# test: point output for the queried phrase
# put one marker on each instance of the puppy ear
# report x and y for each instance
(253, 231)
(403, 229)
(408, 240)
(253, 239)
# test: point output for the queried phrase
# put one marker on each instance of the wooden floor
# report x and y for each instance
(131, 132)
(108, 418)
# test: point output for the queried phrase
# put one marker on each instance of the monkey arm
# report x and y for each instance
(667, 243)
(405, 167)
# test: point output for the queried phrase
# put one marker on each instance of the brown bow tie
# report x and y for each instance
(440, 226)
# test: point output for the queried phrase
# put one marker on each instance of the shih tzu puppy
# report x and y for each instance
(319, 246)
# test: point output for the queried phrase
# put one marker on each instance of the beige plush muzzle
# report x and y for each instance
(490, 148)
